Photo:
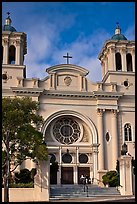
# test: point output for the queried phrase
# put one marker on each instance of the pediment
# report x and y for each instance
(67, 77)
(67, 68)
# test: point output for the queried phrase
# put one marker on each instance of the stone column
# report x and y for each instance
(17, 57)
(60, 161)
(113, 63)
(103, 68)
(106, 64)
(95, 162)
(77, 155)
(75, 175)
(101, 139)
(133, 60)
(125, 175)
(59, 175)
(6, 52)
(114, 139)
(123, 59)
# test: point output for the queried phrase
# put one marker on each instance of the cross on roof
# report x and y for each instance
(117, 24)
(67, 58)
(8, 13)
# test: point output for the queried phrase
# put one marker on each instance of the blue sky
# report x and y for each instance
(79, 28)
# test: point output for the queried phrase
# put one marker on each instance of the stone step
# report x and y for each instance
(71, 191)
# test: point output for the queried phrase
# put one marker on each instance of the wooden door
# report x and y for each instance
(67, 175)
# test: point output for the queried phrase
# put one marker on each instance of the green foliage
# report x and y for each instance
(22, 185)
(24, 176)
(20, 120)
(111, 178)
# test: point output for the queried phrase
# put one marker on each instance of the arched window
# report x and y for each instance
(127, 132)
(2, 54)
(129, 62)
(118, 62)
(12, 51)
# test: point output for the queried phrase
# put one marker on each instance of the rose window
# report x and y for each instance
(66, 131)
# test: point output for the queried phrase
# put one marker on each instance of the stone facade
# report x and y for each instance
(86, 123)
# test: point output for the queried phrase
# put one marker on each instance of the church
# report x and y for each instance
(85, 123)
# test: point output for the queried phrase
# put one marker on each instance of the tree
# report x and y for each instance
(21, 135)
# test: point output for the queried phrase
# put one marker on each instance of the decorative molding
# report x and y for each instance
(67, 80)
(114, 111)
(100, 112)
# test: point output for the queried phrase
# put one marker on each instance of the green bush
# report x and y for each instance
(25, 176)
(111, 178)
(22, 185)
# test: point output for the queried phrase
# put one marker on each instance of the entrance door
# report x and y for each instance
(83, 170)
(67, 175)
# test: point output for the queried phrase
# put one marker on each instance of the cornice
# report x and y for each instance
(83, 95)
(24, 90)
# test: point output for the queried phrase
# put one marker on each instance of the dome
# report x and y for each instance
(9, 28)
(118, 37)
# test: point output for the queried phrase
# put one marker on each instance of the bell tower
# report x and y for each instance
(117, 56)
(13, 51)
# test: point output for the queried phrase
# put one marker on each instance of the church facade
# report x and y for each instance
(85, 123)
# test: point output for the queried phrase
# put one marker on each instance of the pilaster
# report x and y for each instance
(114, 138)
(101, 139)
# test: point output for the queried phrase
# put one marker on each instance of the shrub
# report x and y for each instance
(111, 178)
(24, 176)
(22, 185)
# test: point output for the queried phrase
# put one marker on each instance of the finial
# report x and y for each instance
(8, 14)
(117, 30)
(117, 24)
(8, 20)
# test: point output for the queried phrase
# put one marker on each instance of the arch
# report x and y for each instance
(129, 62)
(127, 132)
(118, 62)
(12, 52)
(84, 118)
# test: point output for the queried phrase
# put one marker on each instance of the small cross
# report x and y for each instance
(117, 24)
(8, 13)
(67, 58)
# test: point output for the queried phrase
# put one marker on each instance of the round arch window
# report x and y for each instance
(67, 158)
(83, 158)
(66, 131)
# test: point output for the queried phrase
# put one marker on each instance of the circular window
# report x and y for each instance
(83, 158)
(4, 76)
(67, 158)
(126, 83)
(66, 131)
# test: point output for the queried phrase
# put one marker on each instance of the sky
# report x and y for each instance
(79, 28)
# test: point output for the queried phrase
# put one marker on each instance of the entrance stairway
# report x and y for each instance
(81, 191)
